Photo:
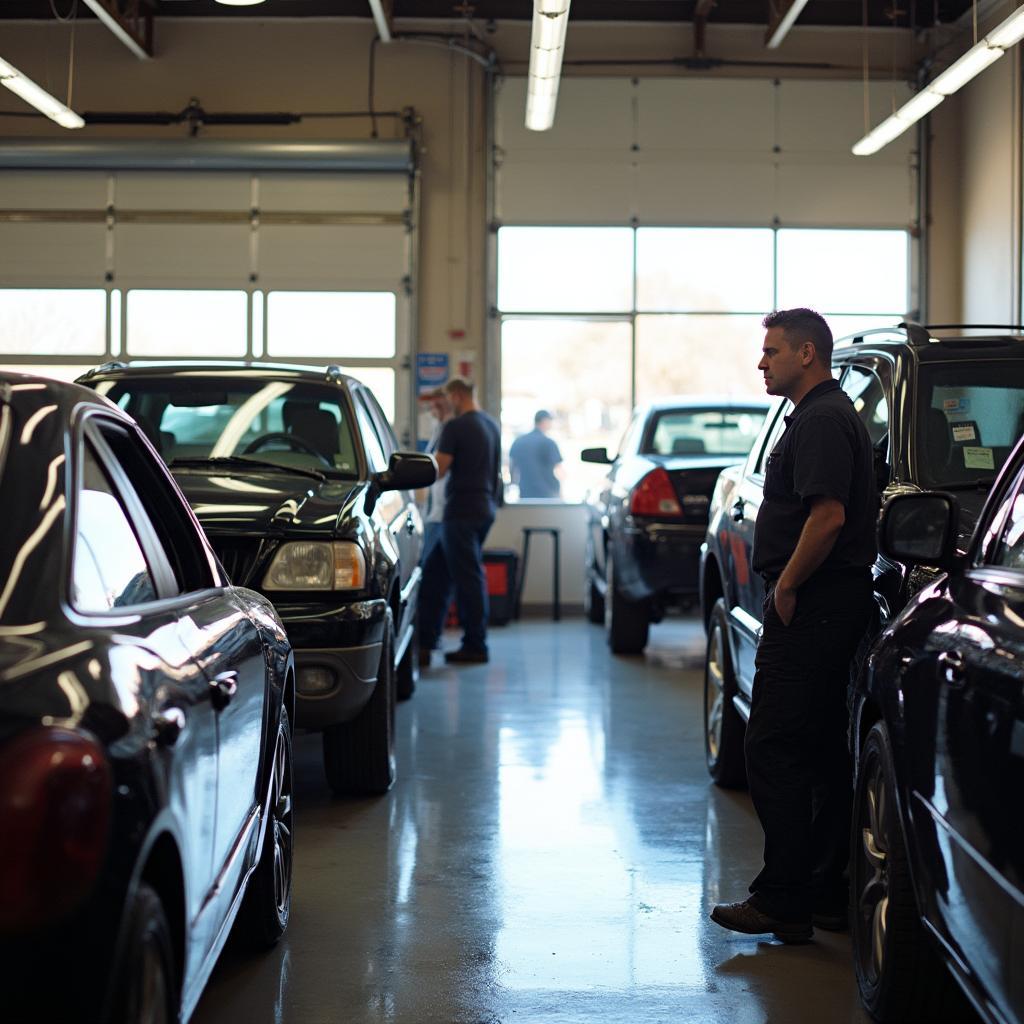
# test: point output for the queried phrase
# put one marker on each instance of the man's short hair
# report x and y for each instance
(540, 416)
(800, 325)
(459, 386)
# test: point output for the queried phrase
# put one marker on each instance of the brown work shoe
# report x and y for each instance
(746, 918)
(466, 656)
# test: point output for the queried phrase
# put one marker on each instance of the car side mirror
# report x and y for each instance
(407, 471)
(920, 529)
(598, 455)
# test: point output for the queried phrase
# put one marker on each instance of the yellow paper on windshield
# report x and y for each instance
(978, 458)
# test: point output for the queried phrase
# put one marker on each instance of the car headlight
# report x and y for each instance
(317, 565)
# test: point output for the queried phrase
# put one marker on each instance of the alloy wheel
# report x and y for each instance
(152, 1004)
(714, 693)
(281, 821)
(873, 894)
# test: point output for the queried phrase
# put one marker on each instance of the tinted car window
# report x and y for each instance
(703, 431)
(869, 400)
(286, 422)
(374, 448)
(384, 431)
(772, 440)
(109, 569)
(970, 416)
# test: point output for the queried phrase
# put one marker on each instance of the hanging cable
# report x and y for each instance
(71, 53)
(371, 86)
(64, 17)
(864, 50)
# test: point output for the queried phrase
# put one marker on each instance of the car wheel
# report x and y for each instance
(593, 599)
(724, 727)
(146, 988)
(407, 675)
(268, 899)
(898, 971)
(359, 756)
(626, 621)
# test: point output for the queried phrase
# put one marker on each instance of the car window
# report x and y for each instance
(291, 423)
(1009, 552)
(385, 434)
(371, 442)
(703, 431)
(774, 433)
(869, 400)
(108, 568)
(970, 415)
(176, 532)
(629, 438)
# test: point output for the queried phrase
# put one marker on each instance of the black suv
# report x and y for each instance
(943, 406)
(294, 475)
(937, 857)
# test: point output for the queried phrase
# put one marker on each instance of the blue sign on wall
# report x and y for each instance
(431, 370)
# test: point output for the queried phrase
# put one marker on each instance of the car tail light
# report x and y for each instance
(655, 496)
(55, 801)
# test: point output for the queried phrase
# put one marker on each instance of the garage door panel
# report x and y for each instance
(192, 191)
(355, 193)
(30, 190)
(722, 192)
(182, 255)
(52, 255)
(330, 257)
(865, 194)
(597, 189)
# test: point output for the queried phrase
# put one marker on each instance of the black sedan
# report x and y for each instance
(937, 867)
(294, 474)
(145, 736)
(646, 520)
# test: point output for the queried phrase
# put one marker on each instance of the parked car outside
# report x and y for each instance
(943, 410)
(295, 476)
(145, 727)
(937, 865)
(647, 518)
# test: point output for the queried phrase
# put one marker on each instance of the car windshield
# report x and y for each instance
(284, 423)
(703, 431)
(969, 418)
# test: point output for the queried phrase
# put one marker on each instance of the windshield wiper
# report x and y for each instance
(239, 460)
(983, 483)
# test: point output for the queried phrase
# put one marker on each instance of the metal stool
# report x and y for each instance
(528, 531)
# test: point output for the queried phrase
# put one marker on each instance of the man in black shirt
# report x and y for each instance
(814, 544)
(468, 453)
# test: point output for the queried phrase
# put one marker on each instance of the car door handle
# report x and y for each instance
(953, 668)
(222, 688)
(737, 510)
(168, 724)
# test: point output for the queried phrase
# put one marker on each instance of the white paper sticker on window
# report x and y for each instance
(964, 432)
(979, 458)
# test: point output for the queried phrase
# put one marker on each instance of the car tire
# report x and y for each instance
(626, 621)
(146, 985)
(407, 675)
(359, 756)
(899, 974)
(268, 899)
(724, 727)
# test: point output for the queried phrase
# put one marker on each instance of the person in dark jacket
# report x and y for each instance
(468, 454)
(814, 544)
(535, 460)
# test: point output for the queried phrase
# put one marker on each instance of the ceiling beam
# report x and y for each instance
(130, 20)
(381, 11)
(781, 22)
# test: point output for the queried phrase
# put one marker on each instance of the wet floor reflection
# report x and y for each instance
(549, 854)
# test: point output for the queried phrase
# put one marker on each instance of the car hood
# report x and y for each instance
(261, 502)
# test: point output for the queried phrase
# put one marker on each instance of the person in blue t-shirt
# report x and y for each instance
(535, 460)
(468, 454)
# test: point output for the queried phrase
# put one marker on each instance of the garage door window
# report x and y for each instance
(53, 321)
(331, 325)
(182, 323)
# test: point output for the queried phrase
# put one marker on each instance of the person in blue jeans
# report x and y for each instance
(468, 456)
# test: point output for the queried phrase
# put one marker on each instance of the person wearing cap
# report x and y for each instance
(535, 460)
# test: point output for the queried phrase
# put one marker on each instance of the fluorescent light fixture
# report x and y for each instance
(103, 13)
(552, 7)
(380, 19)
(239, 3)
(959, 73)
(540, 112)
(785, 24)
(1006, 34)
(548, 31)
(38, 97)
(547, 46)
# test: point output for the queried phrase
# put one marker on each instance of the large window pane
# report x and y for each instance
(55, 371)
(846, 325)
(848, 271)
(704, 269)
(186, 323)
(53, 321)
(542, 270)
(331, 324)
(698, 355)
(580, 373)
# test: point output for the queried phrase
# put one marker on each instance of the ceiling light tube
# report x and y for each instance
(960, 72)
(1008, 32)
(545, 63)
(547, 45)
(38, 97)
(548, 31)
(785, 24)
(880, 136)
(103, 13)
(916, 107)
(380, 19)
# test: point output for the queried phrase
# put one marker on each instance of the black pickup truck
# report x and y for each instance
(943, 407)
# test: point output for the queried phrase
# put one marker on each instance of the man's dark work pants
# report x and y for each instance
(798, 762)
(461, 544)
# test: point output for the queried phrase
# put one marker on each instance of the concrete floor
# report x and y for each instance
(549, 854)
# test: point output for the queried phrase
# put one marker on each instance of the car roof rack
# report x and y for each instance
(113, 364)
(333, 374)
